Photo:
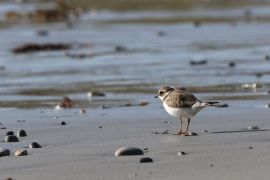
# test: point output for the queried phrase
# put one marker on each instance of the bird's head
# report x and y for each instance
(163, 91)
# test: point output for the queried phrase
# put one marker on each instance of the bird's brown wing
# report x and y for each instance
(180, 99)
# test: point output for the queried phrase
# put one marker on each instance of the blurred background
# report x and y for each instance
(126, 49)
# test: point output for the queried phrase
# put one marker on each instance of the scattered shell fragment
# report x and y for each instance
(21, 152)
(11, 138)
(95, 93)
(251, 86)
(253, 128)
(146, 160)
(192, 134)
(181, 153)
(21, 133)
(128, 151)
(4, 152)
(34, 145)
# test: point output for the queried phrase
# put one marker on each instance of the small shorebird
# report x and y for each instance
(181, 104)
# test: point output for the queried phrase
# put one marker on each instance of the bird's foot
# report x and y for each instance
(180, 133)
(185, 134)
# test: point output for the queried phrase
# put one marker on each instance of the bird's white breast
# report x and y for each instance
(182, 112)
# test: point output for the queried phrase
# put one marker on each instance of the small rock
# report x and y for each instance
(128, 151)
(95, 93)
(267, 106)
(253, 128)
(197, 24)
(21, 133)
(21, 152)
(205, 131)
(232, 64)
(11, 138)
(63, 123)
(9, 178)
(250, 147)
(267, 57)
(100, 127)
(4, 152)
(146, 160)
(120, 48)
(192, 134)
(34, 145)
(143, 103)
(211, 165)
(181, 153)
(201, 62)
(10, 133)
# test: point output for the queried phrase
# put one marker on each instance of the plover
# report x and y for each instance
(181, 104)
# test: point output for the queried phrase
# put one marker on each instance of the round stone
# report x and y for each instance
(11, 138)
(21, 152)
(10, 133)
(192, 134)
(146, 160)
(34, 145)
(128, 151)
(4, 152)
(9, 178)
(21, 133)
(63, 123)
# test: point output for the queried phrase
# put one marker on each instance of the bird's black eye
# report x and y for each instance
(161, 92)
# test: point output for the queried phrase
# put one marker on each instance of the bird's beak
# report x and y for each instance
(156, 96)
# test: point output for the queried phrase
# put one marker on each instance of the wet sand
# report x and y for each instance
(83, 150)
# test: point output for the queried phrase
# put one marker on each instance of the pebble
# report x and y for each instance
(201, 62)
(34, 145)
(204, 131)
(63, 123)
(9, 178)
(128, 151)
(192, 134)
(11, 138)
(4, 152)
(211, 165)
(120, 48)
(253, 128)
(267, 57)
(267, 106)
(146, 160)
(95, 93)
(232, 64)
(10, 133)
(21, 152)
(181, 153)
(161, 33)
(21, 133)
(250, 147)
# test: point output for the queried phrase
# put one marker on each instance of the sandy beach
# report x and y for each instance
(84, 150)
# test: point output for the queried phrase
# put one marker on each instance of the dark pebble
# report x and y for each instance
(267, 57)
(128, 151)
(146, 160)
(194, 63)
(9, 178)
(21, 133)
(250, 147)
(211, 165)
(100, 127)
(120, 48)
(161, 33)
(253, 128)
(10, 133)
(11, 138)
(63, 123)
(4, 152)
(34, 145)
(232, 64)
